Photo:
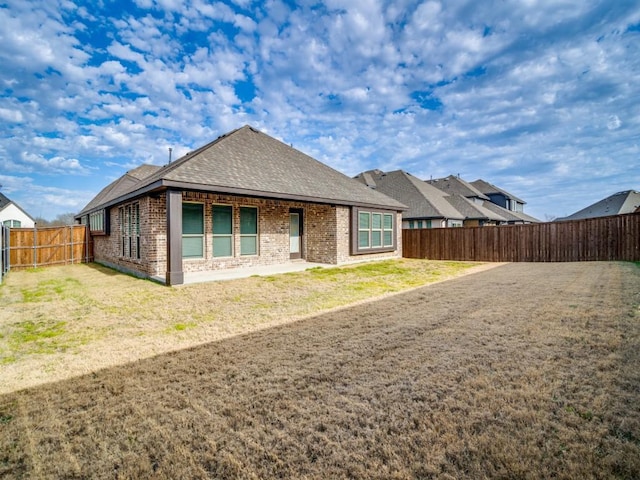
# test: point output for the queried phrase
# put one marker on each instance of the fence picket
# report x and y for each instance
(46, 246)
(595, 239)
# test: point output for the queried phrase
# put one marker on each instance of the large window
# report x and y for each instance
(222, 230)
(192, 230)
(375, 231)
(12, 223)
(129, 230)
(248, 231)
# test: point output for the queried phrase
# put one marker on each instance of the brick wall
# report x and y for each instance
(326, 235)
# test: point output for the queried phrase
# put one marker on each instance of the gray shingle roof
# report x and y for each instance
(510, 215)
(618, 203)
(248, 162)
(455, 185)
(489, 188)
(4, 201)
(472, 210)
(423, 200)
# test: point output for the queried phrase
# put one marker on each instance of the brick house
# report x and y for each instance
(245, 199)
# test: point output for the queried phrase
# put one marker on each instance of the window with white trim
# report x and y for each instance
(374, 231)
(12, 223)
(192, 230)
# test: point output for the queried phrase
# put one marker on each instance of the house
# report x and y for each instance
(13, 216)
(473, 205)
(498, 196)
(506, 201)
(245, 199)
(428, 206)
(492, 213)
(627, 201)
(475, 213)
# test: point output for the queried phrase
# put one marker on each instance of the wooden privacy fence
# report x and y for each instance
(606, 238)
(36, 247)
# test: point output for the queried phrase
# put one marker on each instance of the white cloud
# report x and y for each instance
(53, 165)
(517, 89)
(10, 115)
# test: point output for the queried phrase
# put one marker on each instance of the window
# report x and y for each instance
(429, 224)
(374, 231)
(222, 230)
(248, 231)
(130, 230)
(96, 221)
(192, 230)
(420, 224)
(364, 227)
(12, 223)
(411, 224)
(388, 230)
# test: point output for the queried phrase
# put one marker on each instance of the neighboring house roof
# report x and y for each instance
(455, 185)
(423, 200)
(489, 189)
(246, 162)
(5, 202)
(473, 211)
(510, 215)
(616, 204)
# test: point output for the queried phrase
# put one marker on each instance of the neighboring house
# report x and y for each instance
(13, 216)
(498, 196)
(469, 201)
(616, 204)
(244, 199)
(428, 207)
(505, 200)
(475, 213)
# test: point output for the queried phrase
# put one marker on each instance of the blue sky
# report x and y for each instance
(541, 98)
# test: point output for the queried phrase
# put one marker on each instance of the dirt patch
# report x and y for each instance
(523, 371)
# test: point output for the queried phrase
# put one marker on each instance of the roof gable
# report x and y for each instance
(423, 200)
(248, 162)
(5, 202)
(622, 202)
(473, 211)
(455, 185)
(489, 189)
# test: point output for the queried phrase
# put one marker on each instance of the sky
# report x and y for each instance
(538, 97)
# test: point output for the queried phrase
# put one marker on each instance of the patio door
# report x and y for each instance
(295, 233)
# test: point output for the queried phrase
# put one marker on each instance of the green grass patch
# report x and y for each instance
(39, 337)
(50, 289)
(36, 331)
(179, 327)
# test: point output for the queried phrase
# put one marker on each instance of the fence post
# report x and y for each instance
(71, 241)
(86, 243)
(35, 246)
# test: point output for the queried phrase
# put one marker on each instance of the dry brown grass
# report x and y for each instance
(59, 322)
(523, 371)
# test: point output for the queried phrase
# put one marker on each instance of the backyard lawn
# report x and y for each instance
(518, 371)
